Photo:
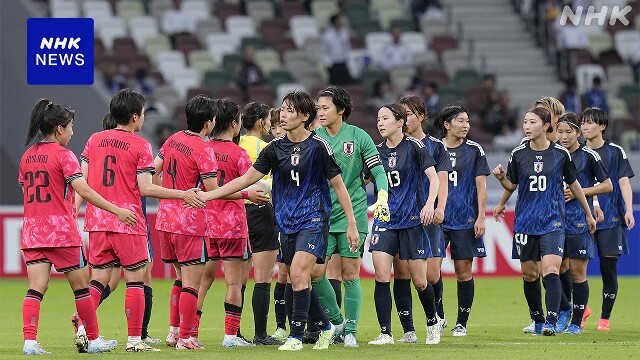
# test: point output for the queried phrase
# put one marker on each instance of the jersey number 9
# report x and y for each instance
(453, 177)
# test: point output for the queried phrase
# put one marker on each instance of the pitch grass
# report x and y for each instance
(498, 315)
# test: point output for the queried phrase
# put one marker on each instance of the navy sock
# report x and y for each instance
(279, 306)
(533, 294)
(404, 304)
(438, 287)
(552, 296)
(466, 290)
(609, 271)
(260, 304)
(299, 316)
(317, 313)
(382, 299)
(428, 300)
(288, 301)
(337, 288)
(565, 295)
(580, 299)
(148, 305)
(105, 293)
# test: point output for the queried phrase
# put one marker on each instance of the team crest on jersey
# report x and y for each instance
(374, 239)
(537, 166)
(295, 159)
(348, 147)
(392, 162)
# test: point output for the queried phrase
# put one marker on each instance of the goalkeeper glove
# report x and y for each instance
(381, 207)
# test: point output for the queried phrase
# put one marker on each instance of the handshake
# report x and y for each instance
(196, 198)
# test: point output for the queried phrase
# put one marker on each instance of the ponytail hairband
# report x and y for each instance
(570, 124)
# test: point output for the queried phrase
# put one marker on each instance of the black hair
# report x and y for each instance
(334, 18)
(596, 81)
(124, 104)
(199, 110)
(570, 118)
(415, 104)
(596, 115)
(303, 104)
(226, 112)
(340, 98)
(544, 115)
(45, 118)
(447, 114)
(253, 112)
(399, 113)
(108, 123)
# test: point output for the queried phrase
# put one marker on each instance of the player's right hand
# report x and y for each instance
(498, 172)
(598, 214)
(381, 207)
(498, 213)
(258, 196)
(193, 198)
(426, 214)
(126, 216)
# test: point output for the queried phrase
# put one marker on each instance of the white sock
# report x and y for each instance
(227, 337)
(81, 330)
(174, 329)
(134, 339)
(30, 343)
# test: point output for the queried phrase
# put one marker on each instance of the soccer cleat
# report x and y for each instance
(433, 334)
(75, 322)
(564, 317)
(326, 338)
(382, 339)
(280, 334)
(196, 341)
(139, 346)
(537, 328)
(573, 329)
(187, 344)
(81, 342)
(459, 330)
(292, 344)
(172, 339)
(268, 340)
(235, 341)
(151, 341)
(310, 337)
(548, 329)
(34, 350)
(350, 341)
(529, 329)
(340, 329)
(603, 325)
(409, 338)
(443, 323)
(101, 345)
(585, 316)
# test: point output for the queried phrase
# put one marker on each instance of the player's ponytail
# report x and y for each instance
(447, 114)
(108, 122)
(252, 113)
(226, 112)
(45, 118)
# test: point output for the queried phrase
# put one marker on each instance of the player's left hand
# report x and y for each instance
(598, 214)
(353, 238)
(629, 220)
(591, 222)
(426, 214)
(257, 196)
(126, 216)
(479, 227)
(193, 198)
(568, 195)
(438, 216)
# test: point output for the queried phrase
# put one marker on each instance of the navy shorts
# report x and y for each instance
(579, 246)
(312, 240)
(409, 244)
(534, 247)
(436, 240)
(464, 244)
(611, 242)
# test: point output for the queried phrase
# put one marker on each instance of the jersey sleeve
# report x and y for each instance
(145, 160)
(569, 171)
(244, 162)
(421, 154)
(440, 156)
(161, 152)
(596, 167)
(512, 170)
(481, 165)
(85, 153)
(624, 167)
(329, 166)
(369, 151)
(265, 159)
(207, 164)
(70, 166)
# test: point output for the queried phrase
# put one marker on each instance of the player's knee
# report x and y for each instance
(420, 285)
(463, 276)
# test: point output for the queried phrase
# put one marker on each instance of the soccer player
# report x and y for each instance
(120, 167)
(256, 119)
(610, 236)
(405, 159)
(463, 225)
(353, 150)
(48, 175)
(578, 242)
(537, 168)
(301, 163)
(416, 115)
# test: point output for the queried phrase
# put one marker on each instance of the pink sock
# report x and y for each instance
(196, 325)
(96, 288)
(31, 314)
(174, 304)
(188, 307)
(134, 307)
(87, 312)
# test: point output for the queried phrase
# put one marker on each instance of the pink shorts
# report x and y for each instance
(107, 249)
(229, 249)
(64, 259)
(183, 249)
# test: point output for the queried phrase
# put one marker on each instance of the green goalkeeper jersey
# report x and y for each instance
(353, 149)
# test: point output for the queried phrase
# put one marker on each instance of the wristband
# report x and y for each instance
(244, 194)
(596, 203)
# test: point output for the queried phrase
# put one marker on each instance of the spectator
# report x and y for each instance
(163, 132)
(431, 97)
(113, 80)
(336, 49)
(500, 118)
(396, 54)
(570, 97)
(248, 73)
(596, 97)
(381, 96)
(142, 83)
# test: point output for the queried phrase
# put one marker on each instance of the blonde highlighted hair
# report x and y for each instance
(553, 105)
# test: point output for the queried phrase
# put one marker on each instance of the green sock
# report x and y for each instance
(328, 300)
(352, 301)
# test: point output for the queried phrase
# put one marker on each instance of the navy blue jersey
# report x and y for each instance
(468, 162)
(538, 174)
(300, 193)
(590, 169)
(405, 165)
(612, 204)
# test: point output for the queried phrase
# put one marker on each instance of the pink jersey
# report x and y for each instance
(228, 218)
(115, 159)
(187, 161)
(45, 175)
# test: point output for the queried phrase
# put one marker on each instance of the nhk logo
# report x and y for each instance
(616, 13)
(59, 51)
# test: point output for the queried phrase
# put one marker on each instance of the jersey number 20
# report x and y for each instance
(538, 183)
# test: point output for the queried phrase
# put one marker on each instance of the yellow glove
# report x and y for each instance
(381, 207)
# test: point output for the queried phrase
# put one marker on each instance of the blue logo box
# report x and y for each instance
(59, 51)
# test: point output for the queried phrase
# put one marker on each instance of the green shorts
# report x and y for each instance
(337, 244)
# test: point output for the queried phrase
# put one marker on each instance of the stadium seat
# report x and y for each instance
(232, 92)
(167, 95)
(357, 60)
(278, 77)
(201, 6)
(310, 78)
(210, 25)
(96, 9)
(158, 7)
(454, 60)
(124, 45)
(440, 43)
(630, 139)
(201, 61)
(401, 78)
(183, 80)
(127, 9)
(64, 9)
(303, 26)
(466, 78)
(618, 108)
(585, 74)
(450, 94)
(260, 10)
(402, 23)
(435, 75)
(255, 42)
(630, 93)
(433, 27)
(262, 94)
(599, 43)
(192, 92)
(221, 44)
(425, 58)
(322, 10)
(284, 89)
(628, 44)
(617, 75)
(609, 57)
(141, 28)
(239, 26)
(370, 77)
(230, 62)
(111, 30)
(385, 17)
(155, 45)
(267, 59)
(415, 40)
(375, 42)
(291, 9)
(217, 79)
